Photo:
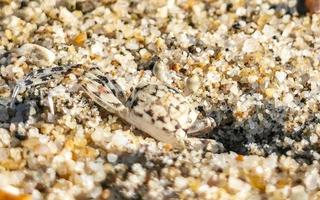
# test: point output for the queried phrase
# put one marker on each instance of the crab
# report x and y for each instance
(157, 109)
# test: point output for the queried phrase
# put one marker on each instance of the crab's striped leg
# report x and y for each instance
(201, 127)
(98, 90)
(40, 76)
(109, 82)
(44, 75)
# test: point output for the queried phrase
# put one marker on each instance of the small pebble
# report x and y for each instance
(193, 83)
(132, 45)
(161, 71)
(298, 193)
(180, 182)
(250, 46)
(112, 158)
(36, 54)
(281, 76)
(119, 140)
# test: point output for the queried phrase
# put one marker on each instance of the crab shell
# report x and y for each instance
(162, 112)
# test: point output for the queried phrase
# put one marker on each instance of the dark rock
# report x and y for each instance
(4, 115)
(85, 6)
(24, 111)
(20, 135)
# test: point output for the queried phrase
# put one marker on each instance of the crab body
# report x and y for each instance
(162, 112)
(155, 108)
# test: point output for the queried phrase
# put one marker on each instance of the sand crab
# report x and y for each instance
(157, 109)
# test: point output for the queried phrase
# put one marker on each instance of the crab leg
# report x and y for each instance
(44, 75)
(201, 127)
(40, 76)
(108, 82)
(194, 143)
(98, 88)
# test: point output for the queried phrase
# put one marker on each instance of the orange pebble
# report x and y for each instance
(7, 196)
(239, 158)
(80, 39)
(313, 6)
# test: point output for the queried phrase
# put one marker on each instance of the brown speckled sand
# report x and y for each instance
(251, 65)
